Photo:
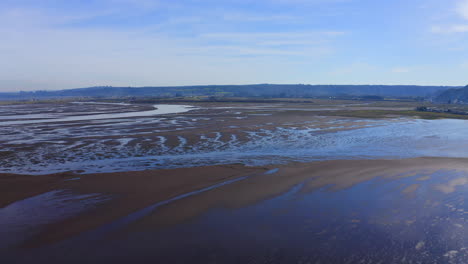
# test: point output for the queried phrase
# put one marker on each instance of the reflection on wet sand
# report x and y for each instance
(130, 191)
(22, 219)
(363, 221)
(134, 189)
(374, 211)
(332, 175)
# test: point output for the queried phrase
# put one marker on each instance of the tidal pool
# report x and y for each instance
(159, 109)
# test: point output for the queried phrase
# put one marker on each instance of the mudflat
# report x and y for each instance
(233, 184)
(129, 192)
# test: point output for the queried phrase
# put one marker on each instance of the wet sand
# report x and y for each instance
(341, 208)
(209, 134)
(131, 192)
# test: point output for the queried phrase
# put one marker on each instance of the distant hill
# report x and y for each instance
(453, 96)
(256, 90)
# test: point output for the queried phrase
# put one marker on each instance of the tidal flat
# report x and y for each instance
(231, 183)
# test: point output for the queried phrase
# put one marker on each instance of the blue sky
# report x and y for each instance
(55, 44)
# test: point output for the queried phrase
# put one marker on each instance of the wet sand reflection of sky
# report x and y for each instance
(375, 221)
(372, 221)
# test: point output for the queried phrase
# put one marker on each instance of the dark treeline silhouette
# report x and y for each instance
(256, 90)
(453, 96)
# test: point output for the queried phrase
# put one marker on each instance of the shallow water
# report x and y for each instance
(372, 222)
(402, 219)
(167, 141)
(159, 110)
(404, 139)
(376, 221)
(23, 219)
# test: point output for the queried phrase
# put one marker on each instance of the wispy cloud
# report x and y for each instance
(462, 8)
(70, 43)
(305, 44)
(271, 36)
(310, 2)
(449, 29)
(401, 70)
(459, 14)
(250, 17)
(39, 52)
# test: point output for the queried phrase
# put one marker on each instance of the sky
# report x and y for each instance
(60, 44)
